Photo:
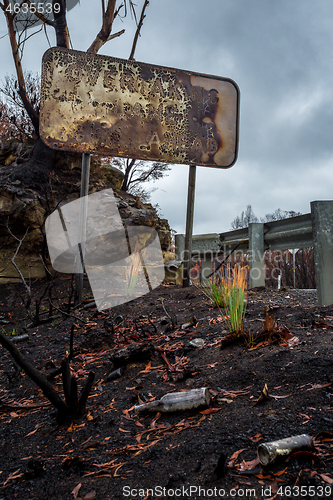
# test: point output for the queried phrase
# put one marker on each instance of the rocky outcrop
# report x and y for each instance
(23, 209)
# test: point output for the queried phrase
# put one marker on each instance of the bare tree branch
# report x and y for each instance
(103, 35)
(138, 29)
(115, 35)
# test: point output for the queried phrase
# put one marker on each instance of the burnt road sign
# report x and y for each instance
(98, 104)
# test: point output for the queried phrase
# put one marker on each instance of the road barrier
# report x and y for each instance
(310, 230)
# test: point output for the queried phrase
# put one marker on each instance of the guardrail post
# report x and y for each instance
(206, 269)
(189, 226)
(179, 246)
(179, 255)
(322, 228)
(256, 255)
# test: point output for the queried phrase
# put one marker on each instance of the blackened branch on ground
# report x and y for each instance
(69, 409)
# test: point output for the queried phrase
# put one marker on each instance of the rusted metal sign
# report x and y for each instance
(99, 104)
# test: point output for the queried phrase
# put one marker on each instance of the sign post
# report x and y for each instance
(189, 226)
(79, 265)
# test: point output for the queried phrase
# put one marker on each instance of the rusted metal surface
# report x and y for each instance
(99, 104)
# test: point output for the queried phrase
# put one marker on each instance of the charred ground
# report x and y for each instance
(113, 447)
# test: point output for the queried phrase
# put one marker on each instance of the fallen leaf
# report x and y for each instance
(249, 465)
(326, 478)
(263, 396)
(235, 455)
(209, 411)
(275, 396)
(76, 490)
(33, 432)
(281, 472)
(147, 369)
(256, 438)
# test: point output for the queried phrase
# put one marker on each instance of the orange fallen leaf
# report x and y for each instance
(147, 369)
(33, 432)
(234, 457)
(249, 465)
(256, 438)
(209, 411)
(326, 478)
(281, 472)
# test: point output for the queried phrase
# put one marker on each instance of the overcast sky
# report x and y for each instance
(279, 52)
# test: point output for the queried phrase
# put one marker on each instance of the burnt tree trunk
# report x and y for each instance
(69, 409)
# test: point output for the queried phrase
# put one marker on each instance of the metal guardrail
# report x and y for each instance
(295, 232)
(314, 229)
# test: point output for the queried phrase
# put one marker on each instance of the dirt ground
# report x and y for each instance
(208, 452)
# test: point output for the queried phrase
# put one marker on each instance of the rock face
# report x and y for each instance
(23, 209)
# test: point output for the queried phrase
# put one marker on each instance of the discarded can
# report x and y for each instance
(174, 401)
(268, 453)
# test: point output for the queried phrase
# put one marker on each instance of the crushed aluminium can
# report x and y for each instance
(268, 453)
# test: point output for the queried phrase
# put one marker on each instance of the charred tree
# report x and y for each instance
(73, 407)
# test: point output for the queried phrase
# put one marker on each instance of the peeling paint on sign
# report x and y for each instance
(99, 104)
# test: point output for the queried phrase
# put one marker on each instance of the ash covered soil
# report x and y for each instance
(115, 453)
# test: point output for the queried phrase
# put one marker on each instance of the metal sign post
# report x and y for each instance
(82, 227)
(189, 226)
